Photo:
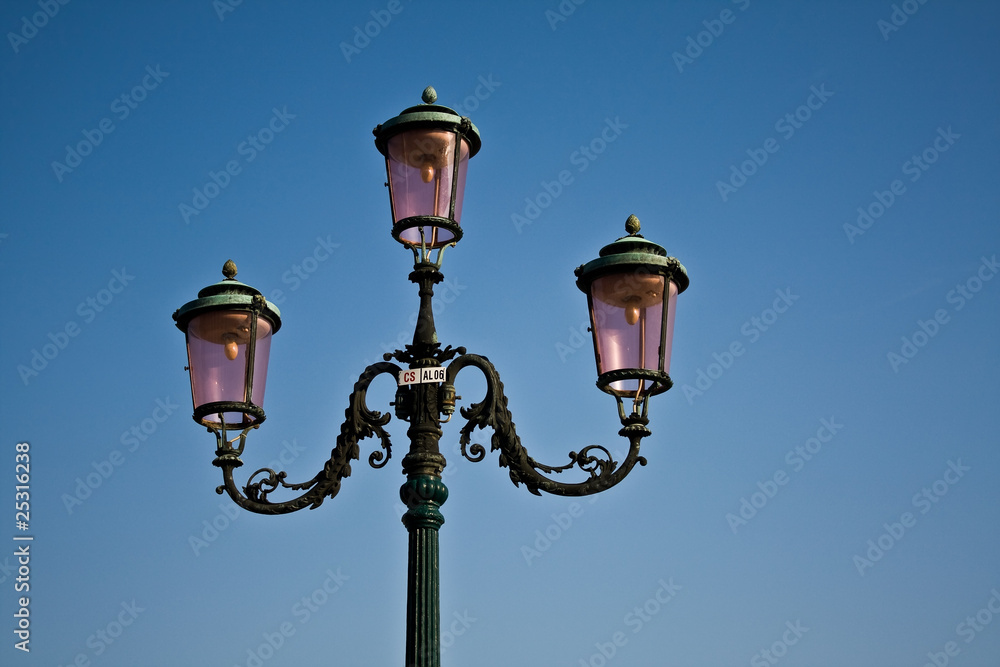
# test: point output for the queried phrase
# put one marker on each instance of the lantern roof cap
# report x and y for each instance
(632, 252)
(429, 115)
(228, 293)
(633, 242)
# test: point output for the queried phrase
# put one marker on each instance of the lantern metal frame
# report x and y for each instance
(425, 406)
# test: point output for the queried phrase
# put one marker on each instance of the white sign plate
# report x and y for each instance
(421, 375)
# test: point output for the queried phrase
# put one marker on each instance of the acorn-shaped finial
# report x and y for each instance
(229, 269)
(430, 95)
(632, 225)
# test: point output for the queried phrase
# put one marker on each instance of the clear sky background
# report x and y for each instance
(822, 482)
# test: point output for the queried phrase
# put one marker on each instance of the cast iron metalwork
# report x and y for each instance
(425, 407)
(360, 422)
(492, 412)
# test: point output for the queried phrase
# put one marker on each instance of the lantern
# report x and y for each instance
(427, 150)
(632, 291)
(228, 330)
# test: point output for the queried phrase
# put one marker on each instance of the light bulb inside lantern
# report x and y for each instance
(427, 172)
(632, 313)
(231, 348)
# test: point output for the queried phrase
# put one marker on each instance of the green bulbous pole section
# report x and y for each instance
(423, 495)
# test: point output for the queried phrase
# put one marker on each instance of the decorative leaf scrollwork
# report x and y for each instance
(359, 423)
(476, 453)
(257, 491)
(378, 459)
(596, 466)
(492, 412)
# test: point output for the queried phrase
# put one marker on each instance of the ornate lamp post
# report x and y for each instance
(631, 290)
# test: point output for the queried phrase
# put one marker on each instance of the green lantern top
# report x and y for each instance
(632, 250)
(427, 115)
(228, 293)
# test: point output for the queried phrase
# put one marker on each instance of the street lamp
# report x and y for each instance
(631, 292)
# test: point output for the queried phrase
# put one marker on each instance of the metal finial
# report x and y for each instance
(229, 269)
(430, 95)
(632, 225)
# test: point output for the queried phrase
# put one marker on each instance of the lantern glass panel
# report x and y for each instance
(421, 166)
(669, 340)
(628, 320)
(217, 355)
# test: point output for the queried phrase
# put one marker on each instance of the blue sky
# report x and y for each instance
(821, 487)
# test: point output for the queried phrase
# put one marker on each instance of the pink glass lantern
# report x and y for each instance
(228, 329)
(632, 293)
(427, 150)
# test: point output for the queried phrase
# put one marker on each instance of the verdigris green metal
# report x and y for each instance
(423, 496)
(635, 252)
(227, 294)
(428, 115)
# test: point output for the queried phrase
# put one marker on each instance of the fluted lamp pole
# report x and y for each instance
(631, 290)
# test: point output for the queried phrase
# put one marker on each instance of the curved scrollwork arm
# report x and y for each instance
(492, 411)
(359, 423)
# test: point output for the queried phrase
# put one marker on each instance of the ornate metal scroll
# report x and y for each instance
(359, 423)
(492, 412)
